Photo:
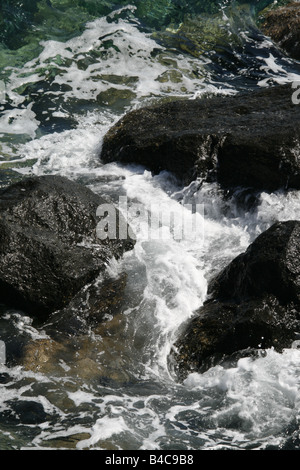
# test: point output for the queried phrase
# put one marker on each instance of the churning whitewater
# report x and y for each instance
(68, 79)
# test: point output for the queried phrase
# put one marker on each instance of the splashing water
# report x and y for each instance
(64, 90)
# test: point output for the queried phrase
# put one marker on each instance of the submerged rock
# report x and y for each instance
(49, 248)
(92, 305)
(283, 27)
(246, 140)
(19, 412)
(86, 358)
(253, 304)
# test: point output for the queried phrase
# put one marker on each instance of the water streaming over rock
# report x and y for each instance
(70, 70)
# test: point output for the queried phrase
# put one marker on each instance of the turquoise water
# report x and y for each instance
(70, 70)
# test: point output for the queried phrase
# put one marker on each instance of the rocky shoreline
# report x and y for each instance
(249, 141)
(253, 304)
(54, 268)
(49, 249)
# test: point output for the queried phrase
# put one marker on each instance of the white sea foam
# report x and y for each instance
(19, 121)
(167, 278)
(276, 72)
(263, 393)
(103, 429)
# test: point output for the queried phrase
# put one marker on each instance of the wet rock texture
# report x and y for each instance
(95, 303)
(100, 357)
(246, 140)
(253, 304)
(49, 248)
(282, 25)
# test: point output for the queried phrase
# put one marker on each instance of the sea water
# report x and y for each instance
(74, 70)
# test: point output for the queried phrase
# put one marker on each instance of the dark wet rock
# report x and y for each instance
(5, 378)
(269, 266)
(24, 412)
(94, 304)
(253, 304)
(49, 248)
(282, 25)
(246, 140)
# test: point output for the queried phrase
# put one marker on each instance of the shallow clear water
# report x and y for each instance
(73, 72)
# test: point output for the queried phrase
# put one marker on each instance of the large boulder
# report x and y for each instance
(253, 304)
(49, 249)
(270, 265)
(282, 25)
(247, 140)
